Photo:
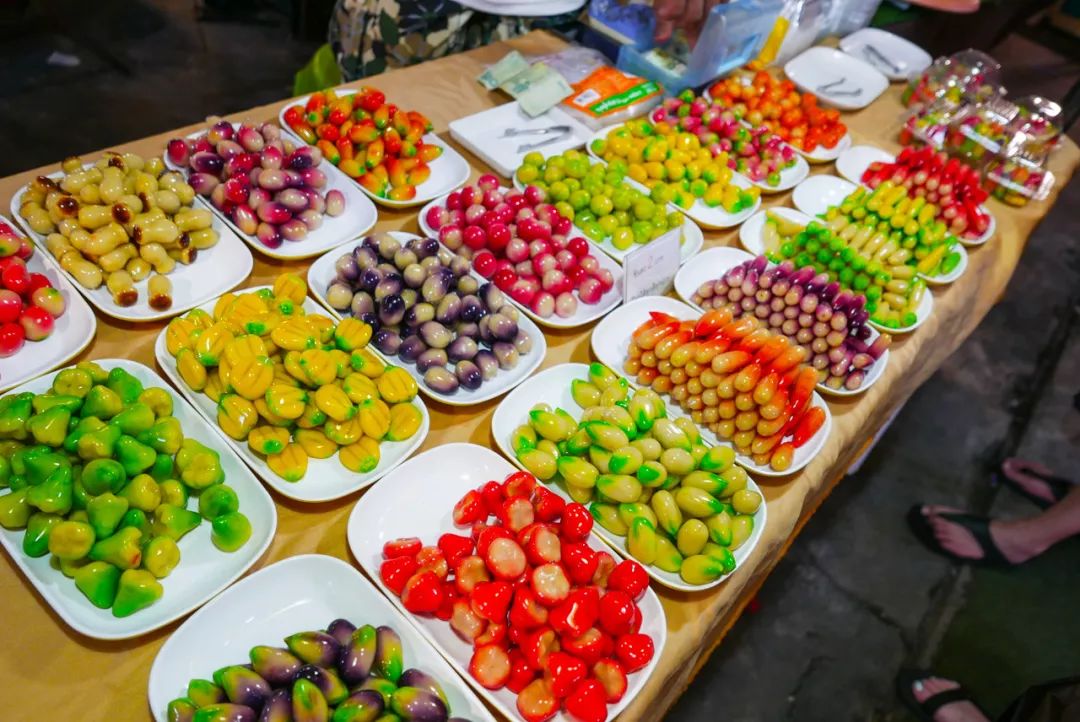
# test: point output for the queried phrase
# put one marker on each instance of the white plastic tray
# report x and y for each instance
(448, 171)
(692, 237)
(440, 477)
(326, 479)
(482, 134)
(552, 386)
(585, 313)
(204, 570)
(215, 271)
(699, 212)
(301, 593)
(611, 340)
(818, 66)
(322, 273)
(907, 58)
(72, 332)
(359, 216)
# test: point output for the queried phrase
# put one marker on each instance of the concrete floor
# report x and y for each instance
(857, 597)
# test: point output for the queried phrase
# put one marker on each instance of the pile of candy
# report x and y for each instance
(101, 476)
(295, 386)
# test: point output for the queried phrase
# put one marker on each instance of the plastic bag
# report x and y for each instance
(603, 95)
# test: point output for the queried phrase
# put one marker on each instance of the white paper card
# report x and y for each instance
(650, 270)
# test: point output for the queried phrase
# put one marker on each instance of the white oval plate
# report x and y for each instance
(817, 193)
(611, 339)
(708, 266)
(513, 411)
(204, 570)
(789, 177)
(326, 479)
(750, 233)
(359, 216)
(322, 273)
(956, 272)
(714, 263)
(987, 234)
(440, 477)
(818, 66)
(821, 154)
(448, 171)
(909, 59)
(585, 313)
(692, 237)
(704, 215)
(215, 271)
(854, 161)
(72, 332)
(301, 593)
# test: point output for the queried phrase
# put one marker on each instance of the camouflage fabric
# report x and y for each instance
(369, 36)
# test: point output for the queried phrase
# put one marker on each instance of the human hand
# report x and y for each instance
(686, 15)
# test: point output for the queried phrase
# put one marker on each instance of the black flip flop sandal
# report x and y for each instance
(925, 710)
(1059, 486)
(978, 526)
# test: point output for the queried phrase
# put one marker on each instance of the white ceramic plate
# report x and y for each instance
(956, 272)
(326, 479)
(819, 66)
(691, 243)
(854, 161)
(903, 58)
(611, 340)
(440, 477)
(821, 154)
(926, 307)
(72, 332)
(789, 177)
(204, 570)
(359, 216)
(301, 593)
(701, 213)
(585, 313)
(817, 193)
(322, 273)
(715, 262)
(750, 233)
(986, 236)
(513, 411)
(215, 271)
(448, 171)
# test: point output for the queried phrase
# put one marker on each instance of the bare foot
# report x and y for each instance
(924, 689)
(1026, 474)
(1010, 538)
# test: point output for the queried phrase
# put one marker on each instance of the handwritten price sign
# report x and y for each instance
(650, 270)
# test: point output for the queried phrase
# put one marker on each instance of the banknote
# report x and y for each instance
(538, 89)
(513, 63)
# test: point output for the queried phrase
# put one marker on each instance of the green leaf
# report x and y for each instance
(388, 28)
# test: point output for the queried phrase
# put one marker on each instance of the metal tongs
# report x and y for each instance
(879, 57)
(827, 88)
(558, 132)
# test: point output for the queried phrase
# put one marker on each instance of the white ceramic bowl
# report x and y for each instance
(818, 67)
(817, 193)
(326, 479)
(750, 233)
(585, 313)
(72, 332)
(611, 340)
(948, 278)
(204, 570)
(448, 171)
(322, 273)
(440, 477)
(301, 593)
(552, 386)
(854, 161)
(215, 271)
